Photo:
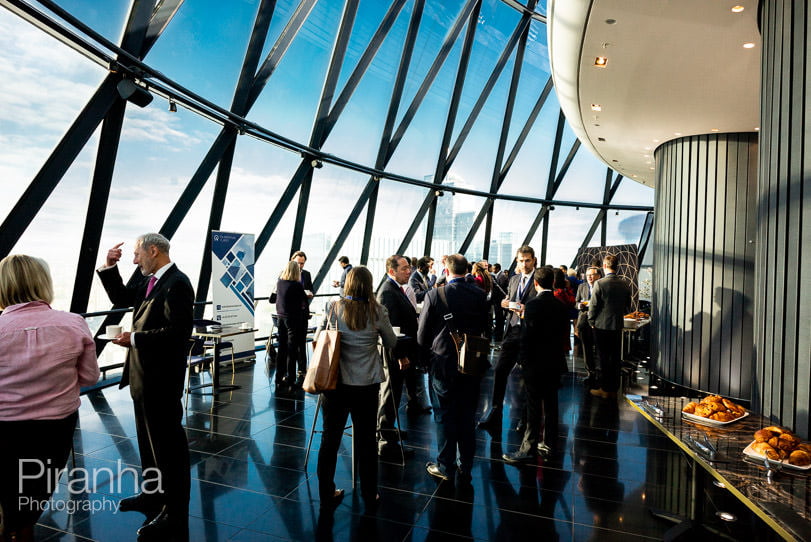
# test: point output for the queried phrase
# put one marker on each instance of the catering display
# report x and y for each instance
(713, 410)
(780, 445)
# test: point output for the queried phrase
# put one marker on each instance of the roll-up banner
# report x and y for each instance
(232, 281)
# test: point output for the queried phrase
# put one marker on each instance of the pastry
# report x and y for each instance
(690, 408)
(788, 442)
(722, 416)
(762, 435)
(703, 410)
(801, 458)
(764, 449)
(774, 429)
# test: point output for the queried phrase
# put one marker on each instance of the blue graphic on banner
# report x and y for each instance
(232, 250)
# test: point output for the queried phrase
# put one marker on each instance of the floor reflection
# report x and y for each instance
(249, 481)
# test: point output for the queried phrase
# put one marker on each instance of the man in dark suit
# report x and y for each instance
(419, 278)
(519, 291)
(610, 300)
(397, 361)
(306, 280)
(454, 395)
(544, 338)
(343, 261)
(500, 284)
(154, 369)
(583, 329)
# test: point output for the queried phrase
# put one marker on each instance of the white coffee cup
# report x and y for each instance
(396, 329)
(244, 325)
(514, 304)
(113, 331)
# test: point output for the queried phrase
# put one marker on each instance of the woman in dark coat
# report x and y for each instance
(292, 312)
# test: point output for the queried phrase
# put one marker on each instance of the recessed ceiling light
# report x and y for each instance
(647, 148)
(748, 45)
(677, 133)
(714, 130)
(652, 169)
(601, 61)
(737, 9)
(600, 139)
(596, 107)
(616, 161)
(656, 141)
(757, 128)
(610, 21)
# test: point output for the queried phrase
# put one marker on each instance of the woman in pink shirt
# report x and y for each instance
(45, 357)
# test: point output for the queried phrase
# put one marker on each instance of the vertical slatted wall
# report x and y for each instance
(783, 305)
(704, 262)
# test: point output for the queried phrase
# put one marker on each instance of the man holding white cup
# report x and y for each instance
(519, 290)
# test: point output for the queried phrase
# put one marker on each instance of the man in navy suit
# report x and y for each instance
(161, 300)
(519, 290)
(544, 338)
(397, 360)
(454, 395)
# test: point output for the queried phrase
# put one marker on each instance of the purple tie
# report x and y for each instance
(152, 280)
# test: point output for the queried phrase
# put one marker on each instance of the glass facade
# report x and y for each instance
(389, 96)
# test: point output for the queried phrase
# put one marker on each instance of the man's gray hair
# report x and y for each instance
(154, 240)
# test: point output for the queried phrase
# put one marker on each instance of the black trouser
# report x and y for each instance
(609, 350)
(289, 332)
(25, 447)
(391, 391)
(336, 405)
(506, 361)
(541, 408)
(500, 318)
(586, 334)
(163, 447)
(454, 405)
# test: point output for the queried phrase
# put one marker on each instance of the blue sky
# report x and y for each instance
(45, 85)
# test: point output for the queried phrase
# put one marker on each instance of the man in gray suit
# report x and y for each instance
(582, 327)
(610, 300)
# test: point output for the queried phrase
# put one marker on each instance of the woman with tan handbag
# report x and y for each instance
(362, 322)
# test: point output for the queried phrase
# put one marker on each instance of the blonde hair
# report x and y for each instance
(23, 279)
(291, 271)
(359, 303)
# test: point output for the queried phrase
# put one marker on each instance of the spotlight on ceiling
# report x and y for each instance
(748, 45)
(316, 163)
(133, 93)
(439, 193)
(736, 9)
(601, 62)
(596, 107)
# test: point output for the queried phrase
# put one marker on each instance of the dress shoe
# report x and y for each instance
(145, 504)
(602, 394)
(165, 529)
(492, 421)
(434, 470)
(520, 458)
(331, 503)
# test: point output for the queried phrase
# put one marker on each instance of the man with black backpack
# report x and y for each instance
(453, 321)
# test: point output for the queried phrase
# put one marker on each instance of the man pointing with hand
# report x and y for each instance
(161, 302)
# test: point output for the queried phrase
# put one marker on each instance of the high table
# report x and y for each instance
(780, 497)
(216, 336)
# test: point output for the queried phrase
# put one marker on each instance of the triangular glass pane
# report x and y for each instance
(585, 179)
(108, 21)
(631, 192)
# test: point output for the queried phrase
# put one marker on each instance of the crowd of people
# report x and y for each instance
(416, 321)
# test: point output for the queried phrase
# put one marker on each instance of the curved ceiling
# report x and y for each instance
(673, 68)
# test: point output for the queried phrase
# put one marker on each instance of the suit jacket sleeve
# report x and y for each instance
(418, 286)
(117, 291)
(595, 304)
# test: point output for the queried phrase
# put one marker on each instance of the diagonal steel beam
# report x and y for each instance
(164, 12)
(278, 51)
(522, 137)
(433, 71)
(644, 238)
(319, 132)
(54, 168)
(391, 117)
(453, 108)
(253, 53)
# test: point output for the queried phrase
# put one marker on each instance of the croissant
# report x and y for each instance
(805, 446)
(774, 429)
(713, 399)
(801, 458)
(734, 407)
(690, 407)
(722, 416)
(762, 435)
(764, 449)
(788, 442)
(773, 441)
(703, 410)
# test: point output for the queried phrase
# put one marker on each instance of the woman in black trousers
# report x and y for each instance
(291, 309)
(362, 323)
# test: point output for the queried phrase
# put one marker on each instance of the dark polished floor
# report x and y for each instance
(249, 481)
